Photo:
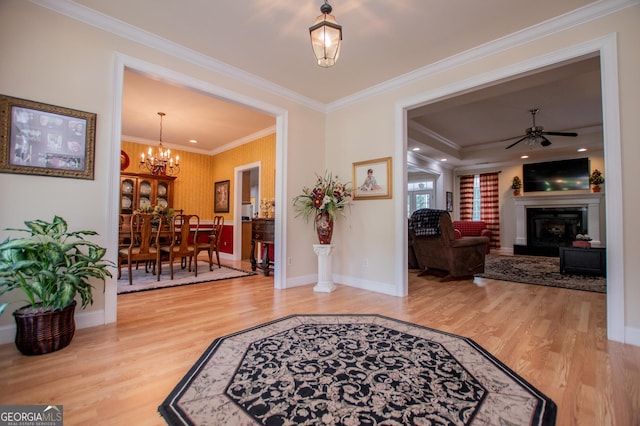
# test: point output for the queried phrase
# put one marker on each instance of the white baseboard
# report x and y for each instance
(632, 336)
(83, 320)
(375, 286)
(378, 287)
(302, 280)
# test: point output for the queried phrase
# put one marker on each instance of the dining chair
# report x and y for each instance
(142, 244)
(184, 234)
(212, 246)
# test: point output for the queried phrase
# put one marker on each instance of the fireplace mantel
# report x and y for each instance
(590, 200)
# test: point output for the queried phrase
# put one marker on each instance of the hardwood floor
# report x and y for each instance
(118, 374)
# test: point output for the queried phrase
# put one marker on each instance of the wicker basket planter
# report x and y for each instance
(44, 332)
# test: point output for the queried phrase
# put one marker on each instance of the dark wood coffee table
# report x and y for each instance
(583, 260)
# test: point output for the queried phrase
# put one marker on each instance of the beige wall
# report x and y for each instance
(365, 129)
(64, 62)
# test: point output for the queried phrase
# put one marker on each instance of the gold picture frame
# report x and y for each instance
(221, 196)
(372, 179)
(46, 140)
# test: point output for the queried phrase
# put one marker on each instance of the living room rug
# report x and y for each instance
(539, 270)
(351, 370)
(143, 281)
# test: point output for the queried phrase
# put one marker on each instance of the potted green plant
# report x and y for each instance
(51, 266)
(596, 179)
(516, 184)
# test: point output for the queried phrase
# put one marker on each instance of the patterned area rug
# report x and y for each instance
(351, 370)
(143, 281)
(539, 270)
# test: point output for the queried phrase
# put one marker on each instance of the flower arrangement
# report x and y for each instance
(165, 213)
(596, 177)
(327, 195)
(267, 207)
(516, 183)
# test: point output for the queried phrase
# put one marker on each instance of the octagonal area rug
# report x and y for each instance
(351, 370)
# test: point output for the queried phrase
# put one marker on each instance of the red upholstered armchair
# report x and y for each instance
(471, 228)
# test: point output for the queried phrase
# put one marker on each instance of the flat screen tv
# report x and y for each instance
(563, 175)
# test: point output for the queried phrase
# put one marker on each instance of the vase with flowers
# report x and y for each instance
(596, 179)
(325, 200)
(516, 184)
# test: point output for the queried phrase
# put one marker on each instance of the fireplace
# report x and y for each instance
(555, 226)
(544, 223)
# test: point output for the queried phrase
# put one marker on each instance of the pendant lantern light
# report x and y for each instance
(326, 37)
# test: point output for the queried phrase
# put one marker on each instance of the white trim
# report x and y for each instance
(527, 35)
(83, 319)
(122, 29)
(246, 139)
(237, 204)
(282, 149)
(614, 202)
(632, 336)
(400, 188)
(607, 48)
(377, 286)
(122, 61)
(559, 199)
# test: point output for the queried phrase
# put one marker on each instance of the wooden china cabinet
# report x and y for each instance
(139, 190)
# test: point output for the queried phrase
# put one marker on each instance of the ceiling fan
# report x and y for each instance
(536, 133)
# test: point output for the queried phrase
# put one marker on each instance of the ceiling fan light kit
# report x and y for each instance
(326, 37)
(535, 134)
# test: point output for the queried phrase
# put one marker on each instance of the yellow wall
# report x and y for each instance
(263, 150)
(194, 185)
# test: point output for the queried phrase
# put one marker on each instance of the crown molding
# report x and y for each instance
(554, 25)
(122, 29)
(434, 135)
(246, 139)
(233, 144)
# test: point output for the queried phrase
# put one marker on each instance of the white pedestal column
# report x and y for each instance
(325, 283)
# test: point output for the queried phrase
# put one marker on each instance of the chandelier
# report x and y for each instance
(326, 37)
(159, 161)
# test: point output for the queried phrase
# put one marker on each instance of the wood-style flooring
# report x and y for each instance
(118, 374)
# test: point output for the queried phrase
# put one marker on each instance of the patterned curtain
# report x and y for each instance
(490, 205)
(466, 197)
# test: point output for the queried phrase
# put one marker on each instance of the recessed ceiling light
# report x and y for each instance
(582, 149)
(416, 149)
(193, 141)
(524, 156)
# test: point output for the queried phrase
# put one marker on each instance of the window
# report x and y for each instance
(420, 195)
(476, 198)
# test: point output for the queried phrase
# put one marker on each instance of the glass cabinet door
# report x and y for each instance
(144, 199)
(127, 187)
(162, 194)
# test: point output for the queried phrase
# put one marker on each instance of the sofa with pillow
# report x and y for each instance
(471, 228)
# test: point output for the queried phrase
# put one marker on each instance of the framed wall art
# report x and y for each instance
(221, 197)
(372, 179)
(47, 140)
(449, 201)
